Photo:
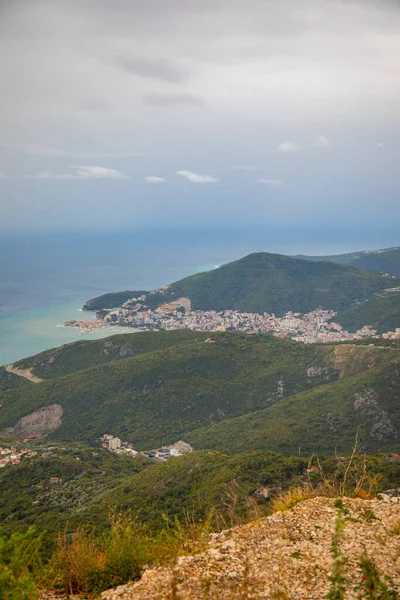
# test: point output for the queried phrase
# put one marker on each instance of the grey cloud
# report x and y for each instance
(173, 99)
(273, 72)
(152, 68)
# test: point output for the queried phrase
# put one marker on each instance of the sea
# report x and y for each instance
(46, 277)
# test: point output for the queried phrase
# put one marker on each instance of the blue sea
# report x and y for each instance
(45, 278)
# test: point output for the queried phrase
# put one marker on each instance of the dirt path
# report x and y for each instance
(27, 373)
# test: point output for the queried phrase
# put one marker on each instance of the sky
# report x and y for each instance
(183, 113)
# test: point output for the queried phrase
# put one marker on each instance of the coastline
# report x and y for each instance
(30, 332)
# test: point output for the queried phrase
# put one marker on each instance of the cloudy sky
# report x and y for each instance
(200, 112)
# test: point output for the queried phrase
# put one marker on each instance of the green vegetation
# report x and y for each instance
(238, 393)
(382, 313)
(8, 381)
(385, 261)
(112, 299)
(156, 512)
(200, 482)
(271, 283)
(70, 358)
(94, 480)
(19, 566)
(29, 497)
(196, 483)
(154, 397)
(372, 586)
(322, 420)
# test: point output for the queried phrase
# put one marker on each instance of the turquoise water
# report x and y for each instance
(31, 332)
(45, 279)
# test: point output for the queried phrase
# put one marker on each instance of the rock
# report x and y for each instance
(39, 423)
(286, 555)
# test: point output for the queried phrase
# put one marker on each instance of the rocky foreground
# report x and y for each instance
(307, 552)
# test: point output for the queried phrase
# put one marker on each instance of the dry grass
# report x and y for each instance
(85, 563)
(291, 497)
(351, 478)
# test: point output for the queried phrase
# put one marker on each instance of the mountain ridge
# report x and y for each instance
(386, 260)
(184, 387)
(266, 282)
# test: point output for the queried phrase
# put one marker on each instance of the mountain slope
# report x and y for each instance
(10, 381)
(271, 283)
(29, 497)
(84, 354)
(385, 261)
(323, 420)
(153, 397)
(196, 484)
(158, 396)
(382, 313)
(112, 299)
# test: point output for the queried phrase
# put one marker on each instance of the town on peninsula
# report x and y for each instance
(316, 326)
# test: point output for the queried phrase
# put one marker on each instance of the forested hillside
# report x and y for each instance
(385, 261)
(382, 313)
(264, 282)
(153, 389)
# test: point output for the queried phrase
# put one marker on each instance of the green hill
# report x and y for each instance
(271, 283)
(195, 484)
(385, 261)
(323, 420)
(237, 399)
(382, 313)
(84, 354)
(29, 497)
(153, 397)
(112, 299)
(177, 382)
(9, 381)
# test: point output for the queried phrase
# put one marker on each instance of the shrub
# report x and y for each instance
(19, 565)
(86, 563)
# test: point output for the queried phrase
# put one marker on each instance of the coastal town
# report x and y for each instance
(317, 326)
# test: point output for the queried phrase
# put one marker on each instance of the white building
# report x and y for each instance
(114, 443)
